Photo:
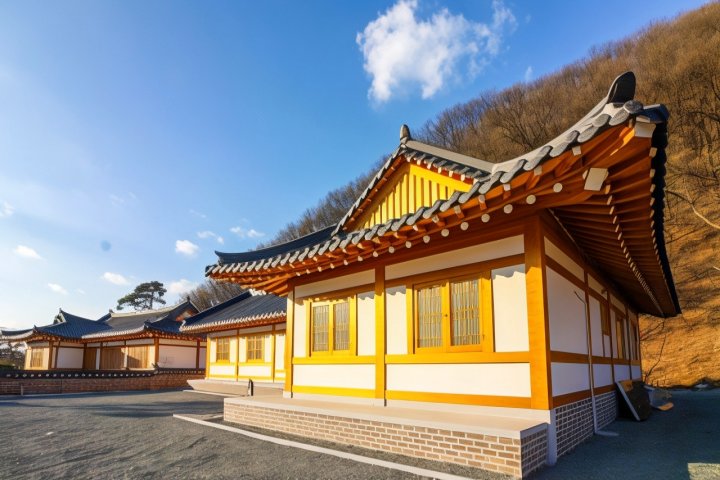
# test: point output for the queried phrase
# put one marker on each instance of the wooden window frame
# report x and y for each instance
(620, 336)
(262, 336)
(484, 278)
(352, 325)
(217, 341)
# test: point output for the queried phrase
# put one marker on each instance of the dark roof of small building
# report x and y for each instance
(246, 308)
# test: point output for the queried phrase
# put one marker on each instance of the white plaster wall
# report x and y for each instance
(247, 331)
(617, 302)
(596, 327)
(114, 344)
(552, 251)
(396, 317)
(222, 370)
(567, 314)
(366, 323)
(595, 285)
(569, 378)
(478, 253)
(234, 349)
(242, 350)
(213, 351)
(69, 358)
(622, 372)
(93, 344)
(299, 331)
(203, 357)
(177, 357)
(636, 372)
(504, 379)
(510, 309)
(602, 374)
(280, 351)
(339, 376)
(144, 341)
(166, 341)
(261, 371)
(338, 283)
(268, 352)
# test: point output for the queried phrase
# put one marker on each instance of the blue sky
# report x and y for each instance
(138, 137)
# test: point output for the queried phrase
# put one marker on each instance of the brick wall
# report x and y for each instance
(574, 424)
(606, 407)
(488, 452)
(31, 386)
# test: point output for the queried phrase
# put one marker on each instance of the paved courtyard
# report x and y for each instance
(133, 435)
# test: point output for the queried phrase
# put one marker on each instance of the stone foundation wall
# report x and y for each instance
(606, 407)
(86, 382)
(574, 425)
(517, 457)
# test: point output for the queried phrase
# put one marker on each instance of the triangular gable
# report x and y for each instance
(404, 189)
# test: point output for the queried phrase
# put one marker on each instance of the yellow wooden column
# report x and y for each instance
(380, 381)
(289, 341)
(538, 326)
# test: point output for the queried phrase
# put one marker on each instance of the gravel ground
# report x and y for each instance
(133, 435)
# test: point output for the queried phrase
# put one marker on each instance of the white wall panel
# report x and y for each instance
(261, 371)
(69, 358)
(338, 376)
(366, 323)
(223, 370)
(503, 379)
(337, 283)
(396, 307)
(622, 372)
(280, 351)
(596, 327)
(552, 251)
(177, 357)
(602, 374)
(299, 331)
(510, 309)
(567, 314)
(203, 357)
(636, 372)
(478, 253)
(569, 378)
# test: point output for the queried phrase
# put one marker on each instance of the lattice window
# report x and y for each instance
(138, 356)
(37, 355)
(465, 312)
(222, 350)
(429, 307)
(341, 326)
(255, 348)
(320, 328)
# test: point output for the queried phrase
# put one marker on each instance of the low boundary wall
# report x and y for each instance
(33, 382)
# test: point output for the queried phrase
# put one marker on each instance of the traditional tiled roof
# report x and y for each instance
(241, 310)
(129, 323)
(615, 114)
(72, 327)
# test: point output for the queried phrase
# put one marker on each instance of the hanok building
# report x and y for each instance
(246, 340)
(475, 302)
(116, 341)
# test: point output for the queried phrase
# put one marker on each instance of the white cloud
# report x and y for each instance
(80, 291)
(181, 286)
(186, 247)
(208, 234)
(114, 278)
(6, 209)
(27, 252)
(246, 233)
(402, 51)
(57, 288)
(528, 74)
(197, 214)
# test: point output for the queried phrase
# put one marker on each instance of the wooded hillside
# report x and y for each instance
(676, 63)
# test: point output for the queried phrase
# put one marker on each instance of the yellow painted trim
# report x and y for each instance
(345, 392)
(461, 357)
(538, 331)
(335, 360)
(464, 399)
(380, 379)
(289, 329)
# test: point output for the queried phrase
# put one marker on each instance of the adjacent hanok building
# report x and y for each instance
(245, 337)
(493, 303)
(116, 341)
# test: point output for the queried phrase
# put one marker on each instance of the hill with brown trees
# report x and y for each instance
(676, 63)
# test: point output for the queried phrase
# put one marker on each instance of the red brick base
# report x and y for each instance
(32, 386)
